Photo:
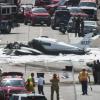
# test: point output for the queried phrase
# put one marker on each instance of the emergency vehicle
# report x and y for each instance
(12, 82)
(8, 15)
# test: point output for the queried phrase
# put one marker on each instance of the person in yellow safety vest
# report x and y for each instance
(31, 81)
(29, 86)
(83, 79)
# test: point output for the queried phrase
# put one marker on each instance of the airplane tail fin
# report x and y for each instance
(86, 41)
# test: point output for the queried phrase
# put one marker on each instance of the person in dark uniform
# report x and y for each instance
(81, 27)
(77, 26)
(98, 71)
(94, 72)
(55, 86)
(73, 24)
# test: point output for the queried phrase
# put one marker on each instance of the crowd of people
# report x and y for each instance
(30, 85)
(83, 77)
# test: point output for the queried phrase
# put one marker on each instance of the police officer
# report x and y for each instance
(81, 27)
(77, 26)
(74, 23)
(55, 86)
(98, 71)
(94, 69)
(83, 79)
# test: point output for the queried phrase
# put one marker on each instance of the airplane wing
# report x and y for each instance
(58, 62)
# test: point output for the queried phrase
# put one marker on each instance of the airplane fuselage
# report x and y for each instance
(51, 47)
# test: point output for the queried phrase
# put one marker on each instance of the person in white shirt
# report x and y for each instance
(41, 83)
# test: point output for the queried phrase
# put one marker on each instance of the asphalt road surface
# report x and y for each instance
(71, 93)
(25, 33)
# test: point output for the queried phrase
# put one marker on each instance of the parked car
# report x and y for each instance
(89, 26)
(58, 17)
(28, 96)
(89, 7)
(22, 10)
(52, 7)
(38, 15)
(12, 82)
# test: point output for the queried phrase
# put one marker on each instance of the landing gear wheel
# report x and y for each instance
(8, 29)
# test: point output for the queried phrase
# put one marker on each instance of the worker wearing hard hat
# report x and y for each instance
(83, 79)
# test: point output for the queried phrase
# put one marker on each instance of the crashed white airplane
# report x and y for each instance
(50, 46)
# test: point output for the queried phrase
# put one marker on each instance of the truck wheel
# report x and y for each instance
(48, 24)
(53, 27)
(25, 22)
(8, 28)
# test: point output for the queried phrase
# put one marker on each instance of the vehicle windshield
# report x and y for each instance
(62, 14)
(15, 83)
(88, 4)
(75, 10)
(39, 10)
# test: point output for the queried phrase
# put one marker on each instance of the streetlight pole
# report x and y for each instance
(28, 31)
(73, 80)
(68, 37)
(41, 31)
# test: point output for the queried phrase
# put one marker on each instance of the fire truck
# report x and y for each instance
(8, 15)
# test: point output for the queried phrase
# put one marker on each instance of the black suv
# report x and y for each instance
(60, 16)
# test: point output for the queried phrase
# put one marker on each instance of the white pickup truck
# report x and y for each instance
(28, 96)
(89, 7)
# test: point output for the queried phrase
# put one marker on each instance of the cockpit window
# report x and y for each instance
(45, 43)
